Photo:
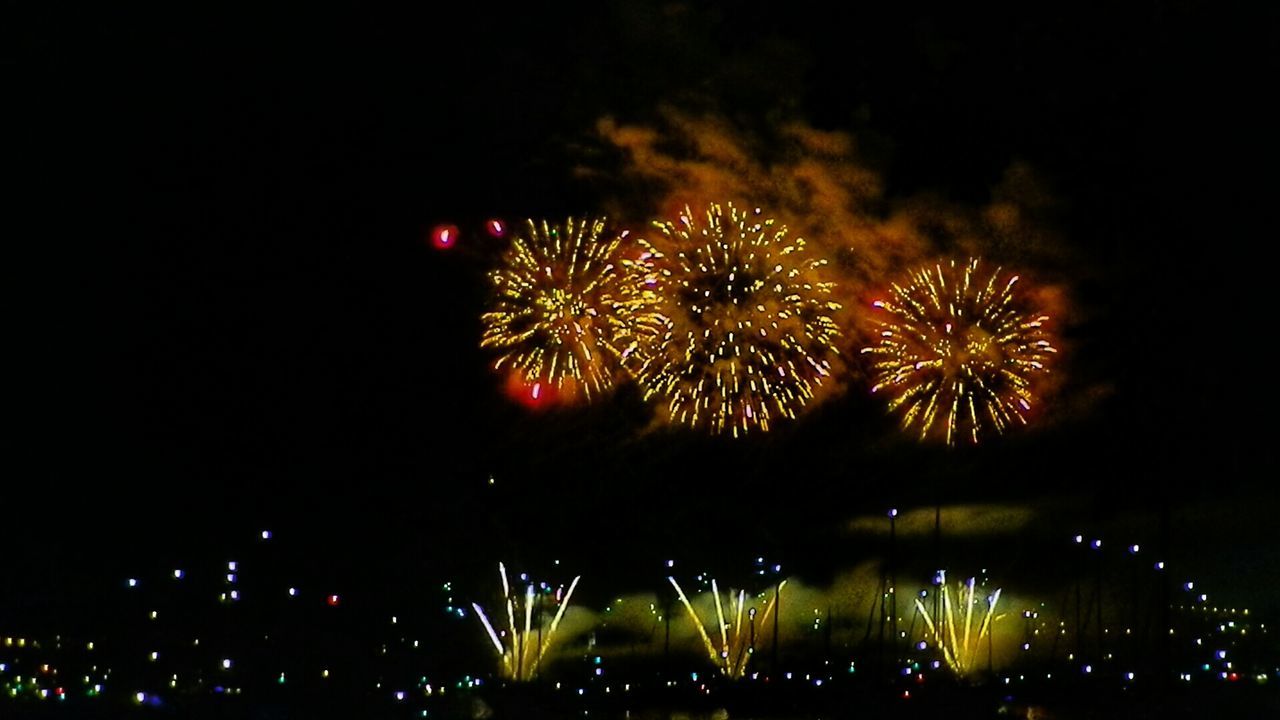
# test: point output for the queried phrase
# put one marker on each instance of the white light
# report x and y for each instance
(226, 663)
(1133, 548)
(155, 656)
(231, 565)
(293, 591)
(140, 697)
(133, 582)
(400, 695)
(266, 534)
(1079, 538)
(177, 574)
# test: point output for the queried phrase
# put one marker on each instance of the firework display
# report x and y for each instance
(958, 352)
(747, 322)
(569, 305)
(737, 641)
(526, 643)
(961, 646)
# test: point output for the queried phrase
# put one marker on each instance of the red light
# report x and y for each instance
(1233, 677)
(496, 227)
(58, 691)
(334, 600)
(533, 394)
(444, 236)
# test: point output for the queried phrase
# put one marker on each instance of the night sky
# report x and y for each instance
(228, 316)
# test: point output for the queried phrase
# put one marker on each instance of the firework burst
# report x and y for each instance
(958, 352)
(571, 302)
(737, 642)
(747, 330)
(952, 632)
(521, 655)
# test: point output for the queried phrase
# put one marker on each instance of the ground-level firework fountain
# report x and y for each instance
(737, 642)
(954, 636)
(526, 645)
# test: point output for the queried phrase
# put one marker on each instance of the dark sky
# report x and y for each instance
(226, 316)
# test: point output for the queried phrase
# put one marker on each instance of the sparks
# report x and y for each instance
(958, 352)
(747, 329)
(960, 651)
(737, 643)
(521, 657)
(571, 302)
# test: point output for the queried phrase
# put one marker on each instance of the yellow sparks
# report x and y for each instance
(961, 649)
(525, 645)
(570, 304)
(736, 643)
(747, 329)
(957, 352)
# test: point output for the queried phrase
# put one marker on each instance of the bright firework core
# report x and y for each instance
(958, 352)
(570, 302)
(748, 333)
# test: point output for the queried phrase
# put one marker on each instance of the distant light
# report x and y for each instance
(155, 656)
(235, 594)
(133, 582)
(1189, 586)
(1097, 544)
(536, 391)
(231, 577)
(444, 236)
(393, 619)
(1088, 668)
(893, 512)
(266, 534)
(1160, 565)
(140, 697)
(495, 227)
(399, 695)
(1079, 538)
(293, 591)
(325, 674)
(922, 645)
(671, 563)
(334, 600)
(177, 574)
(154, 614)
(226, 663)
(1128, 676)
(1133, 548)
(231, 565)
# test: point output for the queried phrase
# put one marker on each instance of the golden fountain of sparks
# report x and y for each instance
(526, 645)
(960, 650)
(736, 643)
